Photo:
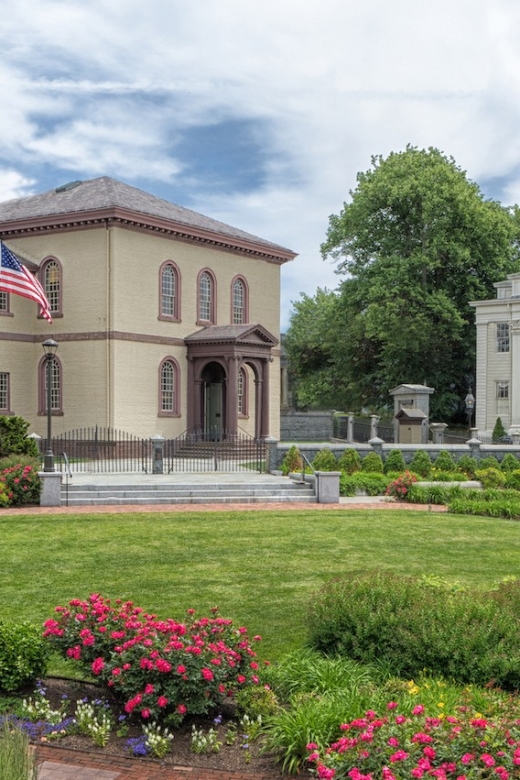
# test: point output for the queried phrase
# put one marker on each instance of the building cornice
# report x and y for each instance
(116, 216)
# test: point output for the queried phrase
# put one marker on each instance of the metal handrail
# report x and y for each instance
(68, 474)
(306, 460)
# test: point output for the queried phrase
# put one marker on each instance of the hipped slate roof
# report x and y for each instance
(105, 199)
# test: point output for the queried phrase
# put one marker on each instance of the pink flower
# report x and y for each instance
(162, 701)
(393, 742)
(149, 688)
(207, 673)
(487, 760)
(97, 665)
(400, 755)
(145, 713)
(467, 758)
(418, 709)
(181, 709)
(181, 669)
(391, 705)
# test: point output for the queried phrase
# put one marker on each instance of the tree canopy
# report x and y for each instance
(416, 242)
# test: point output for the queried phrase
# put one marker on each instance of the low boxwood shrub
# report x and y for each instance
(411, 625)
(349, 461)
(372, 463)
(292, 461)
(325, 461)
(444, 461)
(23, 655)
(490, 477)
(510, 463)
(489, 462)
(467, 465)
(512, 480)
(421, 464)
(394, 462)
(369, 483)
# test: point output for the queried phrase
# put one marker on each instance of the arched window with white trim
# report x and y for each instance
(169, 388)
(239, 302)
(56, 387)
(169, 292)
(51, 275)
(206, 307)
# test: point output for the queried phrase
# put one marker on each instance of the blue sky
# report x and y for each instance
(259, 114)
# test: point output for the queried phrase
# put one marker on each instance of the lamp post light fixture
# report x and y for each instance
(49, 347)
(469, 403)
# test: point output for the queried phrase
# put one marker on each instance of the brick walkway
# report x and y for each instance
(61, 764)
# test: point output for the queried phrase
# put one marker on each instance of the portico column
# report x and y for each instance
(232, 396)
(190, 405)
(264, 421)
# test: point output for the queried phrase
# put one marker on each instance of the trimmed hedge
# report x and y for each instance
(411, 625)
(23, 655)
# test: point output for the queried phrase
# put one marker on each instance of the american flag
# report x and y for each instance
(15, 278)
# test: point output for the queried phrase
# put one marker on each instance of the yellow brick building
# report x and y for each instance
(166, 320)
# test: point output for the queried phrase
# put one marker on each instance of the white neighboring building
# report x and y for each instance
(497, 389)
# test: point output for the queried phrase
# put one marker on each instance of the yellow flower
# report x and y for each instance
(440, 704)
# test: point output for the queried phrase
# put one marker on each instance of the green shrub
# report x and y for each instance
(23, 655)
(433, 494)
(349, 462)
(293, 461)
(13, 437)
(394, 462)
(499, 507)
(444, 461)
(513, 480)
(371, 484)
(325, 461)
(19, 475)
(498, 431)
(467, 465)
(411, 625)
(490, 462)
(421, 464)
(372, 463)
(510, 462)
(490, 477)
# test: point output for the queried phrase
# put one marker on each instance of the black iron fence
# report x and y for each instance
(105, 450)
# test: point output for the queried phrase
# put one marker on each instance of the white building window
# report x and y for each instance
(502, 337)
(4, 392)
(502, 391)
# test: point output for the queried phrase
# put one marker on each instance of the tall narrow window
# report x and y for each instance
(4, 392)
(51, 274)
(239, 302)
(242, 393)
(55, 387)
(502, 337)
(206, 298)
(169, 292)
(4, 302)
(168, 388)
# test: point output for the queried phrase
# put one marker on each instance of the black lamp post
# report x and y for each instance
(49, 347)
(469, 402)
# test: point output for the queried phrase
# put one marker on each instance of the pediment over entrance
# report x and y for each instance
(233, 334)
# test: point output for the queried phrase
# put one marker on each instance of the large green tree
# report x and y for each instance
(416, 242)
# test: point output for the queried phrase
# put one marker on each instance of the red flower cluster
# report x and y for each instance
(156, 667)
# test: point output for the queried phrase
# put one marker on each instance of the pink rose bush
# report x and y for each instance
(158, 669)
(19, 485)
(400, 487)
(399, 747)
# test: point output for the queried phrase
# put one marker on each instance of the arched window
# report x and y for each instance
(52, 284)
(206, 297)
(169, 292)
(242, 389)
(169, 388)
(239, 301)
(55, 388)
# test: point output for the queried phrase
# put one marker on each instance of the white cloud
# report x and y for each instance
(110, 88)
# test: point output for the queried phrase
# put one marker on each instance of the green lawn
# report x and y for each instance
(259, 567)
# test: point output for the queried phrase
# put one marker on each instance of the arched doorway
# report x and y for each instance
(213, 399)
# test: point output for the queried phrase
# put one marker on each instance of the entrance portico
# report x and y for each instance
(215, 356)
